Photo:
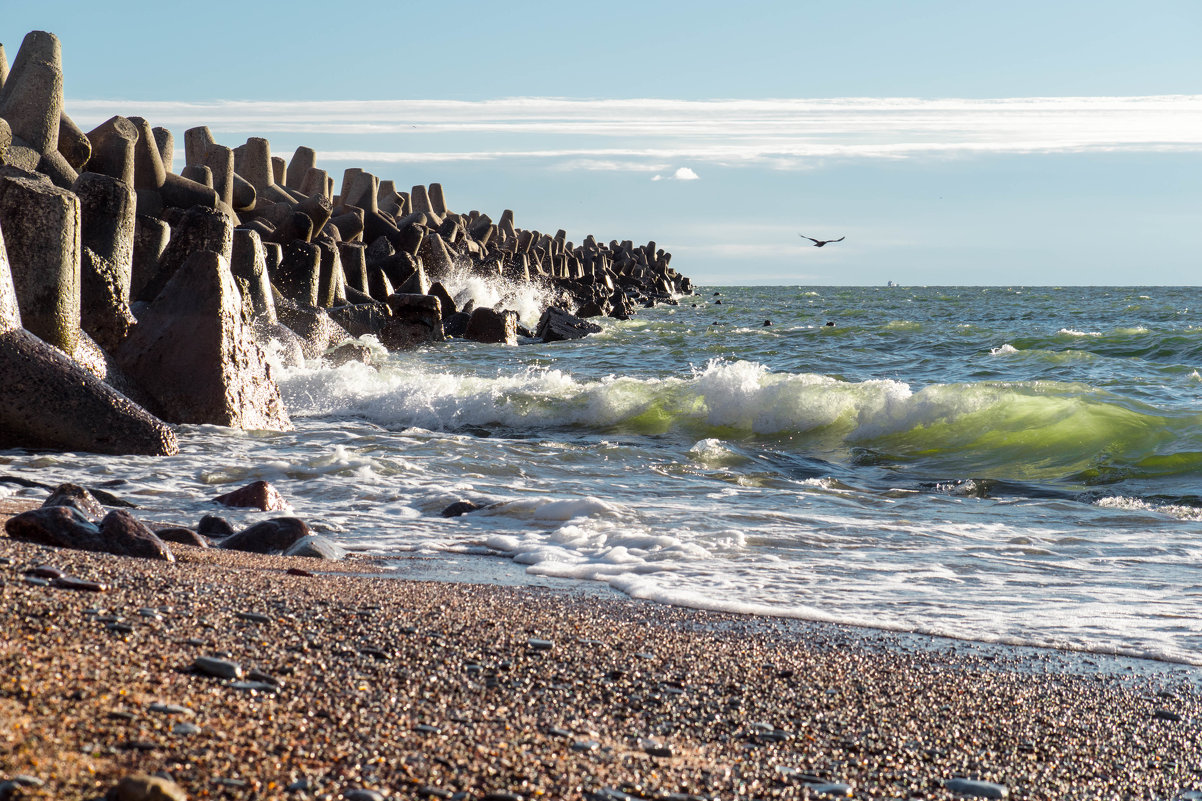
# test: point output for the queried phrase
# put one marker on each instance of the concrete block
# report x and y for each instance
(303, 160)
(165, 142)
(249, 261)
(438, 203)
(298, 275)
(113, 144)
(73, 143)
(32, 97)
(41, 227)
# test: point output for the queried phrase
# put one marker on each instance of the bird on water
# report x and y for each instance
(820, 242)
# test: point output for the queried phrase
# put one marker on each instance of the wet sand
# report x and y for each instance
(354, 682)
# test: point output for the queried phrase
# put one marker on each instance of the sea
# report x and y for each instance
(1012, 465)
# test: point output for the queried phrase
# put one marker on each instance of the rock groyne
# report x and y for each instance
(133, 298)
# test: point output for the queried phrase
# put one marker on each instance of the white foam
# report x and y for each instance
(1004, 350)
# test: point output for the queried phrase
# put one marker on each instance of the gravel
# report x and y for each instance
(358, 685)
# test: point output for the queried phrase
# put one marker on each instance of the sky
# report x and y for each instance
(949, 141)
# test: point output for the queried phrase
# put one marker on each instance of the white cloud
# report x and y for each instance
(681, 174)
(644, 135)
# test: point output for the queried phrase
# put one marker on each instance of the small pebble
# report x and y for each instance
(170, 709)
(253, 617)
(838, 789)
(37, 581)
(185, 729)
(540, 645)
(221, 668)
(362, 794)
(976, 789)
(585, 745)
(255, 686)
(1164, 714)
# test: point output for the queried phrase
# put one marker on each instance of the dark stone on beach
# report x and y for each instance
(217, 667)
(459, 508)
(125, 535)
(257, 495)
(492, 327)
(362, 794)
(557, 325)
(78, 584)
(214, 526)
(64, 527)
(194, 354)
(315, 546)
(270, 536)
(976, 789)
(78, 498)
(1164, 714)
(182, 536)
(141, 787)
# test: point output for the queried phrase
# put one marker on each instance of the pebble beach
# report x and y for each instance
(234, 675)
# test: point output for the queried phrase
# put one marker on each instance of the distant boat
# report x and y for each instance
(891, 284)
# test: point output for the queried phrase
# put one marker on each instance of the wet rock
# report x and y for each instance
(64, 527)
(214, 526)
(257, 495)
(492, 327)
(557, 325)
(459, 508)
(315, 328)
(270, 536)
(78, 498)
(351, 352)
(416, 320)
(125, 535)
(182, 536)
(315, 546)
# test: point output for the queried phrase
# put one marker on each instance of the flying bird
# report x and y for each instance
(820, 242)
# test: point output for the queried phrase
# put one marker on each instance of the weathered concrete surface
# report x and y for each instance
(51, 402)
(196, 357)
(41, 230)
(32, 97)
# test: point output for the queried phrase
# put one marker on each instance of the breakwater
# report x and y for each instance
(133, 298)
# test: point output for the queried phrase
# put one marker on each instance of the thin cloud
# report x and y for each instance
(644, 135)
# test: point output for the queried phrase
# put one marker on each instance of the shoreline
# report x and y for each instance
(436, 689)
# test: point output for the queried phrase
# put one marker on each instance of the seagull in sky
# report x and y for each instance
(820, 242)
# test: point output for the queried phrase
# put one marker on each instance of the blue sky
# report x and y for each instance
(951, 142)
